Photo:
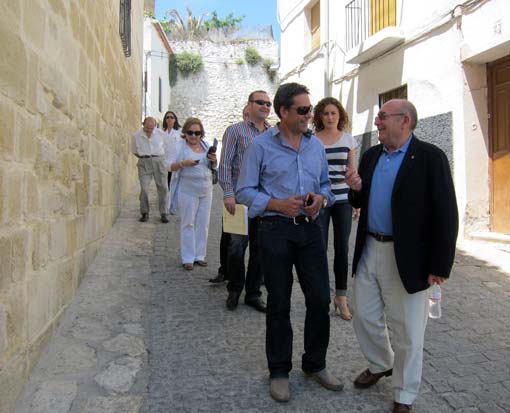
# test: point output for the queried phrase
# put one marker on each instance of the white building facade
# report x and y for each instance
(450, 58)
(156, 81)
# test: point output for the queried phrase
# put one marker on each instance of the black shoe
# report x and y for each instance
(144, 218)
(232, 300)
(257, 304)
(164, 219)
(217, 280)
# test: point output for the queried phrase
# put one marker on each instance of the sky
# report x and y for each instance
(256, 12)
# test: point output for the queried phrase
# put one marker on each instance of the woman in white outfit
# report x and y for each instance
(191, 191)
(172, 128)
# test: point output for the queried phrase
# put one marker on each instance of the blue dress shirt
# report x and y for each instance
(383, 179)
(273, 169)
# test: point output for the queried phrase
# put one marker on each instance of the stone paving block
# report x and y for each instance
(69, 357)
(491, 407)
(125, 344)
(461, 399)
(119, 376)
(85, 328)
(127, 404)
(54, 396)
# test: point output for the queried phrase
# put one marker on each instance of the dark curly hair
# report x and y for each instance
(165, 123)
(343, 120)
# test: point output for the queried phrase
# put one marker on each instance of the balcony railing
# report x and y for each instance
(366, 17)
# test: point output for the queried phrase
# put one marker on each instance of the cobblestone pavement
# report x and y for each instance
(202, 358)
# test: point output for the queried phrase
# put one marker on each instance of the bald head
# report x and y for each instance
(409, 109)
(149, 123)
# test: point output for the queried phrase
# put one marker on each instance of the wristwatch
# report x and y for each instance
(324, 201)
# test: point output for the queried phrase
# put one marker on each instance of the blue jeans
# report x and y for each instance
(341, 215)
(283, 246)
(235, 263)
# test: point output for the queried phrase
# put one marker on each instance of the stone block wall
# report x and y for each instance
(219, 92)
(437, 130)
(69, 101)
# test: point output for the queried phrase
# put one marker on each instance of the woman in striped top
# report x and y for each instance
(329, 120)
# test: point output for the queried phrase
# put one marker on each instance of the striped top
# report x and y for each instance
(236, 139)
(337, 154)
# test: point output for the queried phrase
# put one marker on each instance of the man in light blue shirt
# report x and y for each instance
(284, 182)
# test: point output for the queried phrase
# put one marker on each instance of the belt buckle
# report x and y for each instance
(306, 220)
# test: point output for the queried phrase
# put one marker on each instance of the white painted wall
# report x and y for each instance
(442, 61)
(156, 65)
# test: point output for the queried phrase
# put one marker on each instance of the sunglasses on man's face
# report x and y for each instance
(193, 132)
(261, 102)
(304, 110)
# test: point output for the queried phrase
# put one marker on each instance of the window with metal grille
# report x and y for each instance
(160, 94)
(398, 93)
(125, 26)
(315, 25)
(363, 18)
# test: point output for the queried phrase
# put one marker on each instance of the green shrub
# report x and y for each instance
(188, 63)
(266, 64)
(239, 61)
(252, 57)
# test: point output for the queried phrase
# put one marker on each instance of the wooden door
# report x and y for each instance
(499, 138)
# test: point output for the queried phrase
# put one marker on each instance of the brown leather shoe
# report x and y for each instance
(367, 379)
(402, 408)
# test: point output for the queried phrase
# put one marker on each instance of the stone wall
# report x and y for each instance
(219, 92)
(437, 130)
(69, 101)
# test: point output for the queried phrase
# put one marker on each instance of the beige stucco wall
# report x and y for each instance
(69, 101)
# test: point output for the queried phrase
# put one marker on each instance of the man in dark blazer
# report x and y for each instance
(405, 242)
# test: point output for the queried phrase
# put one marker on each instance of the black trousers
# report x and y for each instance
(284, 246)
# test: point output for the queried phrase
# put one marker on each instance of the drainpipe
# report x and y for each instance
(327, 83)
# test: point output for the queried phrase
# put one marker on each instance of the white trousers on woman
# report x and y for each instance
(195, 213)
(381, 301)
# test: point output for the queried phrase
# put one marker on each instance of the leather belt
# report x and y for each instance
(149, 156)
(299, 220)
(381, 237)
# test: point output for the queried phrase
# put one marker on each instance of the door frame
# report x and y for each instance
(490, 96)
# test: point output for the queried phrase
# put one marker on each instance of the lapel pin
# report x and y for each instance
(412, 156)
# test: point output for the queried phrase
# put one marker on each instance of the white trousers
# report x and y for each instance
(381, 302)
(195, 213)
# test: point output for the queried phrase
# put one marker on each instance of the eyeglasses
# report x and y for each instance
(170, 117)
(193, 132)
(262, 102)
(384, 115)
(303, 110)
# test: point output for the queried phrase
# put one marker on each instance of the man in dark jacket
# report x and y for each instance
(405, 242)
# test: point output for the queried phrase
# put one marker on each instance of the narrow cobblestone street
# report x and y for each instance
(202, 358)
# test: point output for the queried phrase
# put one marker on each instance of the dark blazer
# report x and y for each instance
(423, 209)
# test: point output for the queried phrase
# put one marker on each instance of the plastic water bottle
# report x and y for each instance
(435, 301)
